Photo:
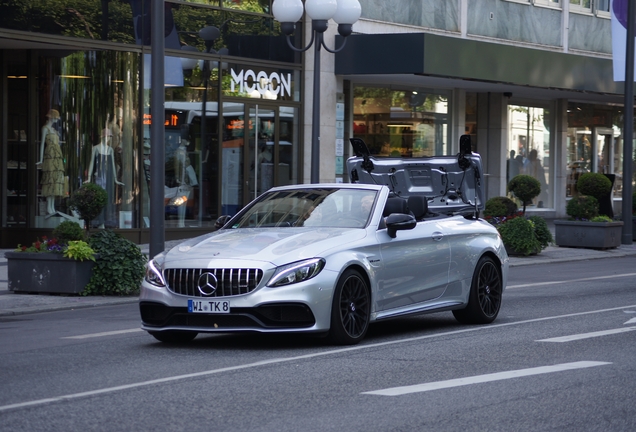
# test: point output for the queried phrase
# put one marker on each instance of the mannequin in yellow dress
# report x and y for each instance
(52, 162)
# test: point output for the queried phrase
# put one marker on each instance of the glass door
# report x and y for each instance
(261, 147)
(259, 151)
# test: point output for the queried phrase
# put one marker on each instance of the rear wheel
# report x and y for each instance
(484, 300)
(350, 310)
(174, 336)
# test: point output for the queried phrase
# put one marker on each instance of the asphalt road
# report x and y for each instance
(561, 356)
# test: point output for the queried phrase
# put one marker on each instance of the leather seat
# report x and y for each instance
(418, 205)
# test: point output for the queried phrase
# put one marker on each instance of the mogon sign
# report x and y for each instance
(248, 81)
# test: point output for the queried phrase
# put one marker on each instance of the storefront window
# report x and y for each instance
(87, 109)
(401, 123)
(530, 149)
(594, 144)
(246, 28)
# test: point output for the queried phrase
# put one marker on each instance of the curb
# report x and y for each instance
(92, 302)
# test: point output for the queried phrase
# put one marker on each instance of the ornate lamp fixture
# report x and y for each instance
(345, 13)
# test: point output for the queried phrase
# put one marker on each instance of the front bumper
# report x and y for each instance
(301, 307)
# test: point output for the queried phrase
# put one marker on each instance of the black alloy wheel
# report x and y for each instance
(484, 300)
(351, 309)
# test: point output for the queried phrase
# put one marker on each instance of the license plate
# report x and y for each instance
(209, 306)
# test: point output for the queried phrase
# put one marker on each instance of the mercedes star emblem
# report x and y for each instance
(207, 284)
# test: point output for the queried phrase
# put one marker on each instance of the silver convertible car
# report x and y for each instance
(403, 238)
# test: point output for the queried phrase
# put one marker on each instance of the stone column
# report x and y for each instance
(492, 140)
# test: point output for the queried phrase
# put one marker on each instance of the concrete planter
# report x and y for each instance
(592, 235)
(47, 273)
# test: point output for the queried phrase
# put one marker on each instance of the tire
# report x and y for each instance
(350, 309)
(484, 299)
(174, 336)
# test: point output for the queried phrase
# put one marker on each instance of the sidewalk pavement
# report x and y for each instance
(19, 304)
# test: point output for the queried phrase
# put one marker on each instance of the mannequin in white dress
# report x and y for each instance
(103, 172)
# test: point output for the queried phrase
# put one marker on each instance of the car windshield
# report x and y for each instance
(319, 207)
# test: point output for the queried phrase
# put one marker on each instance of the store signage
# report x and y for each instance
(249, 81)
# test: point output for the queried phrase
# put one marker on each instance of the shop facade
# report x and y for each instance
(237, 117)
(531, 82)
(76, 108)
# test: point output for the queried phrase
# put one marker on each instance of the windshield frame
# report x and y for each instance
(317, 207)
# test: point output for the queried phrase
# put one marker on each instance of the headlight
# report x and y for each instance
(153, 273)
(296, 272)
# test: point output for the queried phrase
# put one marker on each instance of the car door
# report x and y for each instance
(415, 265)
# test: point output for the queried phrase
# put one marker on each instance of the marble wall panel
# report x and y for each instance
(515, 22)
(590, 33)
(436, 14)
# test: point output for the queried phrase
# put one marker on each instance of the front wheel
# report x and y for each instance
(174, 336)
(350, 309)
(484, 299)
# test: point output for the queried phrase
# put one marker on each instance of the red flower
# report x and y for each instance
(37, 245)
(23, 248)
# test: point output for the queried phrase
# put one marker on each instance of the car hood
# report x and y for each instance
(452, 184)
(277, 246)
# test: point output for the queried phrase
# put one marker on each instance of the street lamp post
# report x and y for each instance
(343, 12)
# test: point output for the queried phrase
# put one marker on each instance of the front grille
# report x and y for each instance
(230, 282)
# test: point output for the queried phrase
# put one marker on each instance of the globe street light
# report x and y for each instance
(345, 13)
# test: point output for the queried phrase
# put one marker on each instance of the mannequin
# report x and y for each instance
(52, 163)
(102, 171)
(181, 164)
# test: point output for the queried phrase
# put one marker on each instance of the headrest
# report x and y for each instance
(395, 205)
(418, 205)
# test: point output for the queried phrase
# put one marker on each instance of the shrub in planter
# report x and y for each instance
(119, 268)
(594, 184)
(68, 231)
(525, 188)
(500, 207)
(89, 201)
(519, 237)
(50, 267)
(582, 207)
(541, 231)
(598, 186)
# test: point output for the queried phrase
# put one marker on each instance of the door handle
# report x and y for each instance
(437, 236)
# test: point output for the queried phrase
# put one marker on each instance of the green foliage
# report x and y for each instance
(500, 206)
(519, 236)
(582, 207)
(88, 201)
(79, 250)
(119, 268)
(634, 203)
(594, 184)
(541, 231)
(68, 231)
(524, 187)
(601, 218)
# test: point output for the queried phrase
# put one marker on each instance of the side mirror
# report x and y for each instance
(221, 221)
(397, 222)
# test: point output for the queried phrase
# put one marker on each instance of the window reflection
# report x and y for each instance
(88, 103)
(529, 149)
(394, 123)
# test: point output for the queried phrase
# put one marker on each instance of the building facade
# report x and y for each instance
(529, 80)
(76, 109)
